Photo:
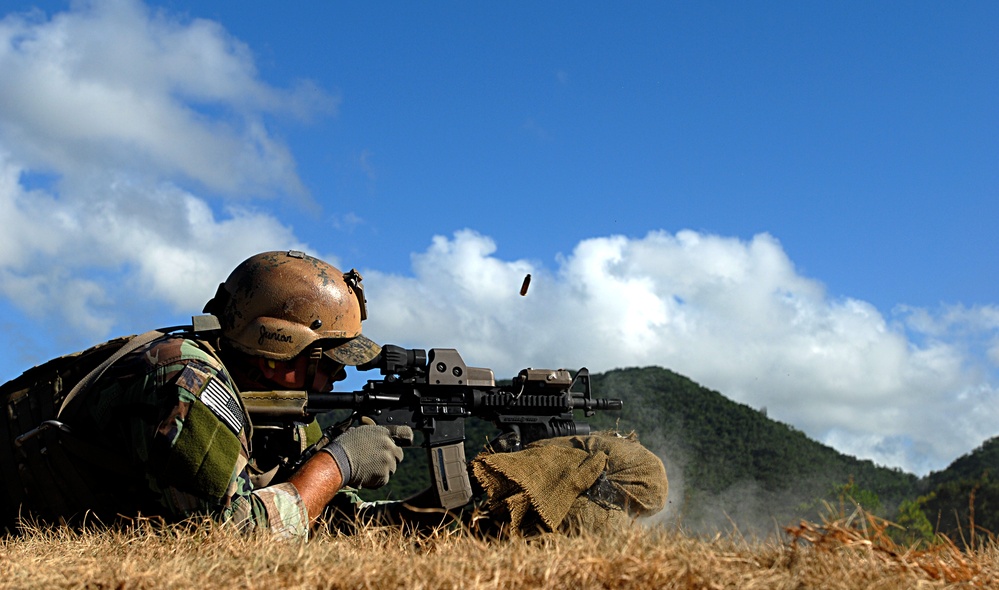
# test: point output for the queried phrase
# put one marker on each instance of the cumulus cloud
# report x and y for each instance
(113, 82)
(735, 315)
(112, 116)
(74, 257)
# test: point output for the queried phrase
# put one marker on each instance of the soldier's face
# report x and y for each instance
(328, 373)
(284, 373)
(293, 373)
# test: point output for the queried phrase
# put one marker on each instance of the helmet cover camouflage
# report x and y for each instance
(277, 304)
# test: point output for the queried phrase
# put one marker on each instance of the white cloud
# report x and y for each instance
(734, 315)
(110, 83)
(153, 242)
(117, 108)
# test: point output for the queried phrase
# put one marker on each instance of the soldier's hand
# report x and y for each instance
(367, 455)
(400, 433)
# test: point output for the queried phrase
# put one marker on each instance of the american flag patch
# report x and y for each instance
(220, 401)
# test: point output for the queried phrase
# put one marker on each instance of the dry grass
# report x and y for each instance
(848, 553)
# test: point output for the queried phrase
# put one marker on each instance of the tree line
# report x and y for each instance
(737, 467)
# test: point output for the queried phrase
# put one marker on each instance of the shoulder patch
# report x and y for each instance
(221, 402)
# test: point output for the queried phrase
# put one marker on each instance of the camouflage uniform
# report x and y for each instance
(172, 412)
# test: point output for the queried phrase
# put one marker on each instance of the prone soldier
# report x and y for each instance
(159, 429)
(217, 419)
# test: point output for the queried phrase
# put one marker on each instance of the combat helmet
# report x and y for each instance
(278, 304)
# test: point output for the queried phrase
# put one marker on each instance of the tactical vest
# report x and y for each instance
(47, 472)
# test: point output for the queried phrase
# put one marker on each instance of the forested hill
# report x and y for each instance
(966, 492)
(980, 464)
(729, 465)
(734, 463)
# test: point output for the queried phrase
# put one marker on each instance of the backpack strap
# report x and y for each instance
(203, 324)
(130, 346)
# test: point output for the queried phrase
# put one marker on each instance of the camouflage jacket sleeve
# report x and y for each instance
(175, 409)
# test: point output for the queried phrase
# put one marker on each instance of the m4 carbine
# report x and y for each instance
(434, 392)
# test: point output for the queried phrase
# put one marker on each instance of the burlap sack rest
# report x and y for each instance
(572, 483)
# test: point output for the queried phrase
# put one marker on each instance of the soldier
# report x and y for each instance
(163, 432)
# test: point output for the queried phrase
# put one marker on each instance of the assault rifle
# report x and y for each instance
(433, 393)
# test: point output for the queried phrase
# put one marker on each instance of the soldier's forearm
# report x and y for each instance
(317, 481)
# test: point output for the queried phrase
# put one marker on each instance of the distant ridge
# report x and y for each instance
(731, 466)
(965, 493)
(737, 465)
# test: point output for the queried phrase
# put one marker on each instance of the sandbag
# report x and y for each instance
(572, 483)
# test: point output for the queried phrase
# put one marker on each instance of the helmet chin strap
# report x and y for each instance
(315, 356)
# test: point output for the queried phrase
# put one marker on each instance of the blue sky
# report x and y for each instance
(790, 202)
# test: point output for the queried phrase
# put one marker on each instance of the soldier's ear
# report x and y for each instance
(265, 366)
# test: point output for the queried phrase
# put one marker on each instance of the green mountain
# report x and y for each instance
(737, 466)
(980, 464)
(965, 493)
(732, 467)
